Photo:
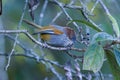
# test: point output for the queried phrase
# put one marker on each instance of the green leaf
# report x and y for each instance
(93, 58)
(115, 25)
(88, 24)
(117, 56)
(113, 64)
(101, 36)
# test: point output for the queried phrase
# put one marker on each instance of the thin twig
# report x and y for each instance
(87, 17)
(55, 72)
(18, 27)
(65, 12)
(78, 71)
(112, 19)
(42, 12)
(29, 51)
(33, 57)
(68, 71)
(55, 18)
(12, 31)
(97, 1)
(18, 42)
(73, 56)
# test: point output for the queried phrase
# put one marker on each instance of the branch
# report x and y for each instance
(41, 16)
(65, 12)
(112, 19)
(38, 42)
(48, 46)
(32, 57)
(17, 35)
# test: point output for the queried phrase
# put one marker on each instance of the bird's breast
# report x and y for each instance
(45, 37)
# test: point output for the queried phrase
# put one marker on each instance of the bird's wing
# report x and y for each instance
(44, 32)
(51, 31)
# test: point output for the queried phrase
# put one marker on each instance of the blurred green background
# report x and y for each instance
(22, 68)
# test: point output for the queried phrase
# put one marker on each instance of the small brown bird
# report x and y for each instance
(55, 35)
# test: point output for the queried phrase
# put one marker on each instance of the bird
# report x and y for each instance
(55, 35)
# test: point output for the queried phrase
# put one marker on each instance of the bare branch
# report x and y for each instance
(65, 12)
(33, 57)
(17, 35)
(42, 12)
(55, 18)
(38, 42)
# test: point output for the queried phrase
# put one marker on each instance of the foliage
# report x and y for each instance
(93, 58)
(113, 64)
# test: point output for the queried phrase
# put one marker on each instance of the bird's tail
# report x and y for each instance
(32, 24)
